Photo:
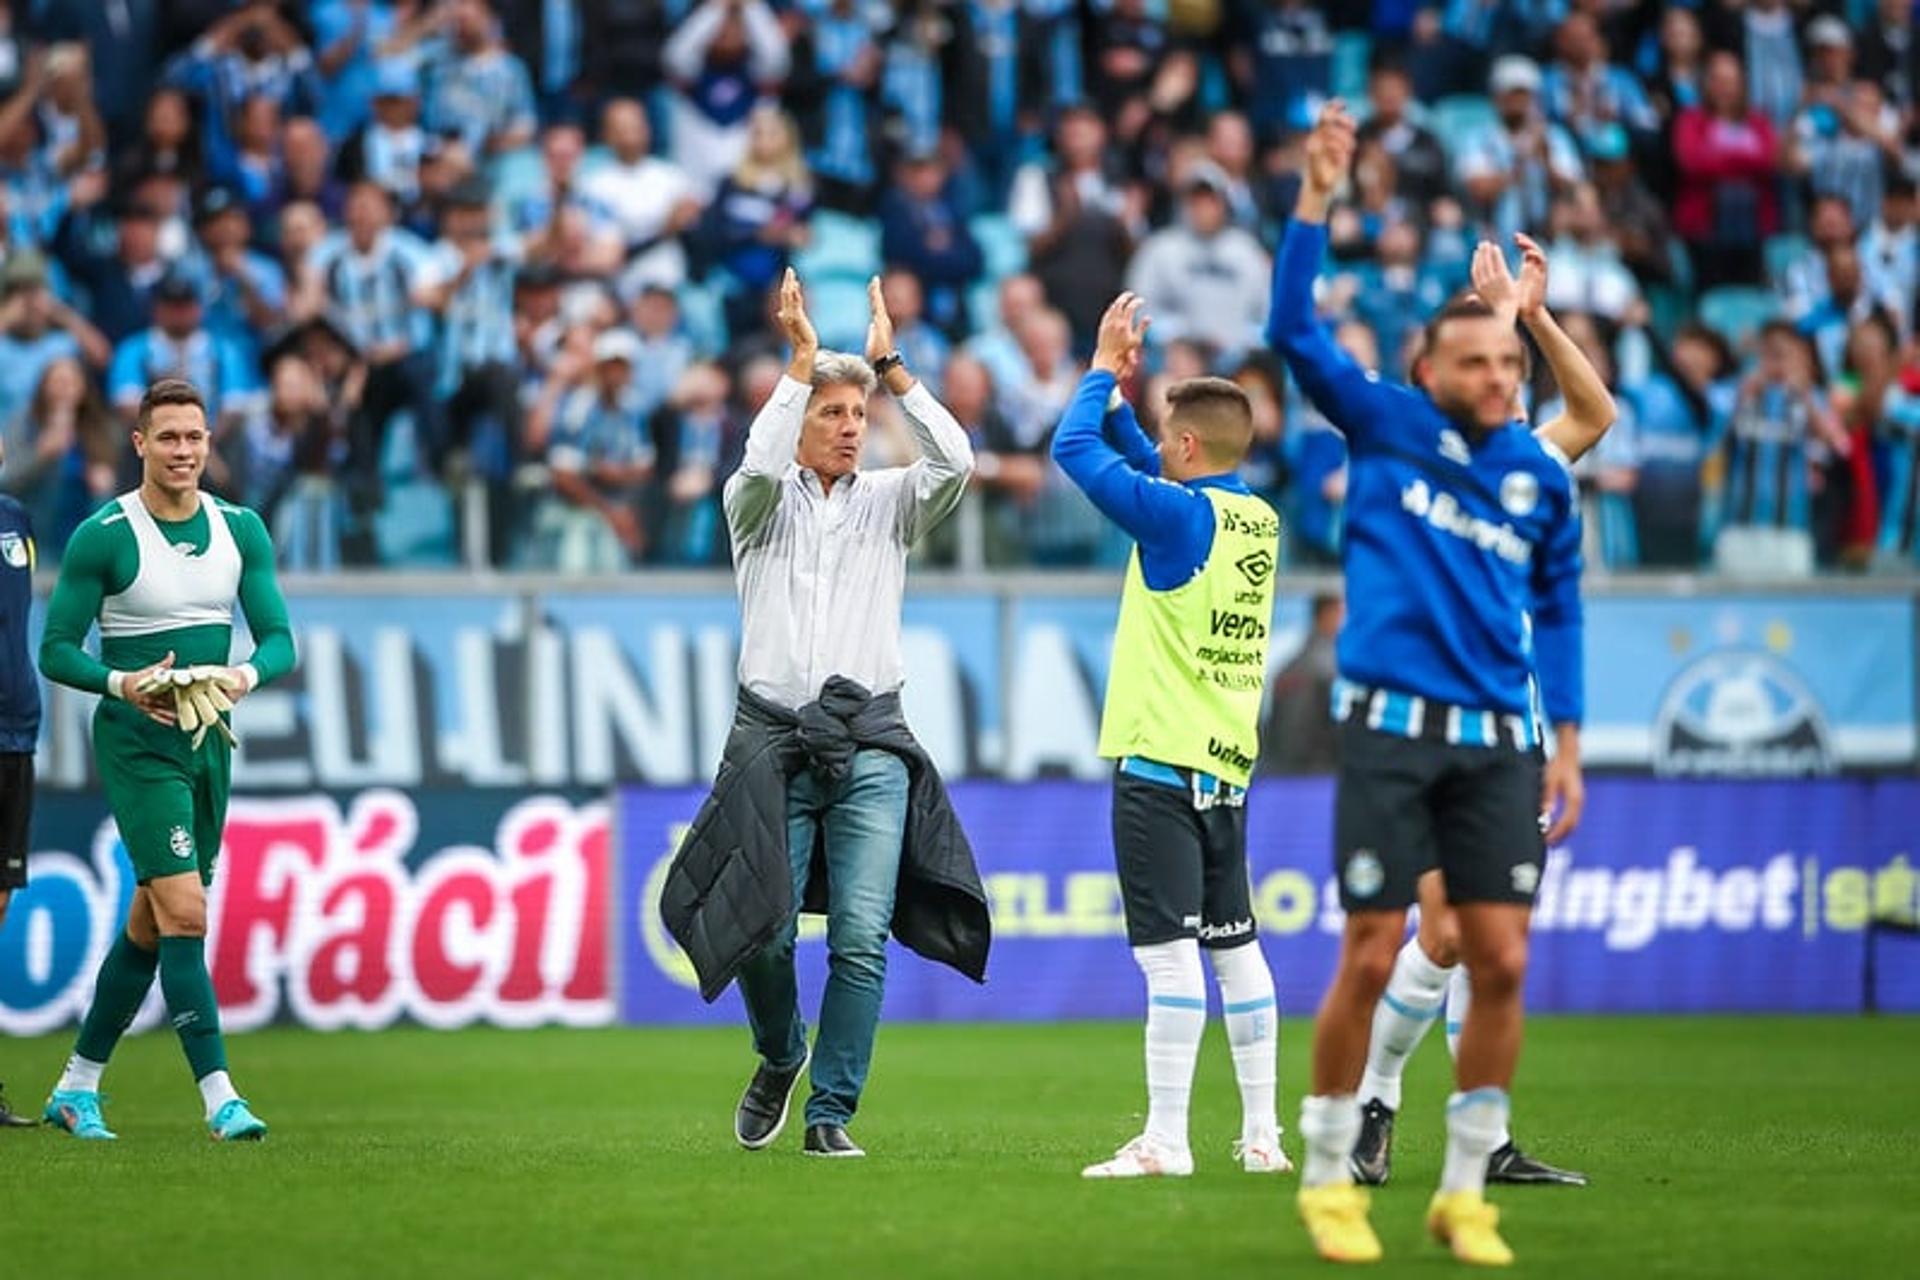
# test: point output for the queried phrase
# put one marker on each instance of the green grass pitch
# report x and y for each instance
(1718, 1147)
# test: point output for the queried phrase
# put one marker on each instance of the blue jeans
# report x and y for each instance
(864, 820)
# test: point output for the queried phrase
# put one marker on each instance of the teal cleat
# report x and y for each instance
(78, 1112)
(234, 1123)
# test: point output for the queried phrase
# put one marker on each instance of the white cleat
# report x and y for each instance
(1144, 1157)
(1262, 1154)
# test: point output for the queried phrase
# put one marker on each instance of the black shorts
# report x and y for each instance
(16, 817)
(1405, 806)
(1183, 871)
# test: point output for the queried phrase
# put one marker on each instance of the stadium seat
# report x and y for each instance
(1351, 52)
(517, 175)
(843, 248)
(1782, 252)
(838, 305)
(414, 529)
(703, 316)
(1736, 311)
(1004, 249)
(1457, 118)
(983, 305)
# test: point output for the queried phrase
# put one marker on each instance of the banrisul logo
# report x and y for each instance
(1741, 713)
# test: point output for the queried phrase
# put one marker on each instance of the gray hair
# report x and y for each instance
(838, 369)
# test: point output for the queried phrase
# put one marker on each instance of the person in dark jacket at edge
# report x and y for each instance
(824, 800)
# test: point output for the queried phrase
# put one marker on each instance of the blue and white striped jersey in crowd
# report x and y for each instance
(1844, 164)
(36, 199)
(1890, 259)
(391, 157)
(1528, 201)
(996, 35)
(1770, 447)
(561, 30)
(1604, 93)
(1504, 24)
(1899, 456)
(224, 373)
(370, 295)
(477, 97)
(476, 327)
(588, 430)
(1774, 75)
(910, 86)
(1608, 533)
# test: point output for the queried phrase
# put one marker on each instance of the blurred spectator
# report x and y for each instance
(73, 135)
(390, 148)
(530, 214)
(838, 79)
(252, 53)
(245, 291)
(347, 35)
(1803, 286)
(1890, 250)
(1419, 161)
(117, 265)
(1843, 144)
(1316, 457)
(307, 169)
(618, 44)
(1782, 426)
(475, 89)
(292, 449)
(1007, 472)
(996, 345)
(1585, 92)
(36, 193)
(1609, 475)
(253, 162)
(1080, 221)
(1393, 292)
(1680, 410)
(36, 329)
(178, 345)
(1230, 147)
(922, 230)
(1034, 392)
(123, 38)
(1204, 279)
(1513, 168)
(924, 346)
(1299, 736)
(1282, 61)
(1265, 466)
(994, 82)
(649, 200)
(1726, 156)
(1848, 301)
(599, 458)
(1678, 64)
(365, 282)
(1588, 275)
(662, 354)
(1454, 41)
(61, 451)
(1888, 53)
(723, 58)
(693, 432)
(167, 142)
(759, 217)
(1867, 373)
(1898, 453)
(1770, 55)
(1632, 215)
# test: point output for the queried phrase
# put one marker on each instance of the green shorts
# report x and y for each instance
(169, 800)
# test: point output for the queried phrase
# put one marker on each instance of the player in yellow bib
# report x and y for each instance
(159, 570)
(1181, 724)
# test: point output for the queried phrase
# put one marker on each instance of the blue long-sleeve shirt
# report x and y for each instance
(1118, 468)
(19, 682)
(1452, 535)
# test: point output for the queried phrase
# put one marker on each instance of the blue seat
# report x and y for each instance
(414, 528)
(843, 248)
(983, 305)
(1735, 312)
(838, 307)
(703, 315)
(1003, 248)
(1457, 118)
(1781, 252)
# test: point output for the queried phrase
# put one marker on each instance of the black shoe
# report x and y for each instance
(1372, 1158)
(1512, 1165)
(11, 1119)
(831, 1140)
(762, 1113)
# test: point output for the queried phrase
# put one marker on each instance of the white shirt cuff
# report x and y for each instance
(116, 684)
(250, 674)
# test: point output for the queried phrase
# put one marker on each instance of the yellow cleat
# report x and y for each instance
(1468, 1225)
(1336, 1218)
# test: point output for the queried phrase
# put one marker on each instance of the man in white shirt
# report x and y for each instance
(649, 201)
(820, 550)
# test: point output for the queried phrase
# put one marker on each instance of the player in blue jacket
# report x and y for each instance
(19, 714)
(1460, 523)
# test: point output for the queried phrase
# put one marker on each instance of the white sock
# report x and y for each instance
(1459, 995)
(1475, 1123)
(82, 1074)
(1330, 1125)
(1176, 1019)
(1414, 1000)
(1253, 1031)
(216, 1090)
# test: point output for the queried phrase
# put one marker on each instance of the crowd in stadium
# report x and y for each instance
(488, 280)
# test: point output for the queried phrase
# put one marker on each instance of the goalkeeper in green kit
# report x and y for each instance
(159, 570)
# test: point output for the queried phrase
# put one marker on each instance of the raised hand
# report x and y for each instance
(1533, 276)
(792, 316)
(1330, 149)
(1493, 282)
(1123, 331)
(880, 328)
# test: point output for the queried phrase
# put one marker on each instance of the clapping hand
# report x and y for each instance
(1123, 332)
(880, 328)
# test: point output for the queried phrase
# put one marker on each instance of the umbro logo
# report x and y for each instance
(1256, 565)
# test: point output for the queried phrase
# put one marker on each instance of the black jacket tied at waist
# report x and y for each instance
(729, 891)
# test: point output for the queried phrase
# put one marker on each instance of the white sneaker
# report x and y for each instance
(1144, 1157)
(1262, 1154)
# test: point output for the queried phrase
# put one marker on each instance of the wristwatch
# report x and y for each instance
(888, 363)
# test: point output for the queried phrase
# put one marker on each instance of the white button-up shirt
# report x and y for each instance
(821, 573)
